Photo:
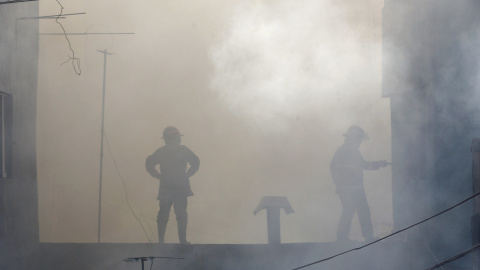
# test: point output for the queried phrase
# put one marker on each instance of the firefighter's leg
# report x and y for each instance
(180, 208)
(162, 218)
(348, 210)
(364, 217)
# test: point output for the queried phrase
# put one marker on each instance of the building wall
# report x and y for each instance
(430, 73)
(18, 194)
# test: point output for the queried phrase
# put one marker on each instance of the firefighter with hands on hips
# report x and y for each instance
(177, 163)
(347, 168)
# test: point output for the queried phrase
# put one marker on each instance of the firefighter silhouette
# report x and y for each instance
(347, 168)
(177, 163)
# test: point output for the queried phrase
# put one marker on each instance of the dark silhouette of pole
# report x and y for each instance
(475, 220)
(105, 53)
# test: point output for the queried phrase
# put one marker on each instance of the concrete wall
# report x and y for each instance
(18, 194)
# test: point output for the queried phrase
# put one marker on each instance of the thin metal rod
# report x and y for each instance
(18, 1)
(53, 16)
(82, 34)
(101, 143)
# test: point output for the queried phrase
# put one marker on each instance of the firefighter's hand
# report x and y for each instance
(381, 163)
(378, 164)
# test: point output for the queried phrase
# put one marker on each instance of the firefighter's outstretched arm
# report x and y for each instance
(375, 165)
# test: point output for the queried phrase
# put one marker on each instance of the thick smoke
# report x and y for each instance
(284, 59)
(300, 74)
(431, 67)
(263, 92)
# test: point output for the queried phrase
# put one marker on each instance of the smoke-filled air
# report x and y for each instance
(263, 92)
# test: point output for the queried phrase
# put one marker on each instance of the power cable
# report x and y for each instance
(456, 257)
(380, 239)
(141, 212)
(125, 188)
(148, 224)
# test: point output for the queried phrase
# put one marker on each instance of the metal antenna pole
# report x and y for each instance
(101, 142)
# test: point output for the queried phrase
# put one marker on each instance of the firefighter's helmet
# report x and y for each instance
(356, 132)
(170, 132)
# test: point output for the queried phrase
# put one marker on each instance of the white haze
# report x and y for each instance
(262, 90)
(283, 59)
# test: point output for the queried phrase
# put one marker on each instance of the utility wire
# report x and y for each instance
(456, 257)
(125, 188)
(409, 227)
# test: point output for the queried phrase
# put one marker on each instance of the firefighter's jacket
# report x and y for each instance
(173, 161)
(347, 167)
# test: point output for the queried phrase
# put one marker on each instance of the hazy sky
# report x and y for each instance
(262, 91)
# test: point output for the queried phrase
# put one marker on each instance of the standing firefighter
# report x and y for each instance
(173, 159)
(347, 172)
